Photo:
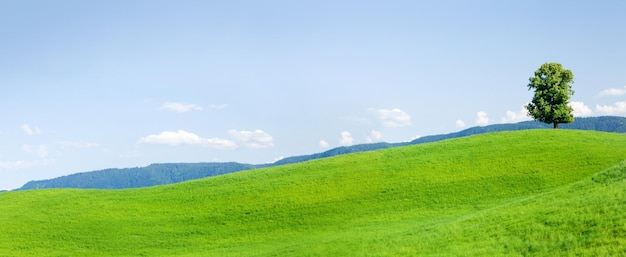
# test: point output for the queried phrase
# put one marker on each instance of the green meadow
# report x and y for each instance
(523, 193)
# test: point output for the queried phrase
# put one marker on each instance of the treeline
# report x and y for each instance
(155, 174)
(334, 152)
(168, 173)
(603, 123)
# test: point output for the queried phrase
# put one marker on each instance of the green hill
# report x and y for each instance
(528, 193)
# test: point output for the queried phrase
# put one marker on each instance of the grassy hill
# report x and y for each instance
(535, 192)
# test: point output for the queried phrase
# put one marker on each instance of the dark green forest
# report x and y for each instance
(154, 174)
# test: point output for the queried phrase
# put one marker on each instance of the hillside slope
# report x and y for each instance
(159, 174)
(443, 198)
(587, 218)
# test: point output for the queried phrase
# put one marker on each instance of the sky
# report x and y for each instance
(89, 85)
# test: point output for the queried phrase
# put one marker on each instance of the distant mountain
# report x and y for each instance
(155, 174)
(158, 174)
(604, 123)
(333, 152)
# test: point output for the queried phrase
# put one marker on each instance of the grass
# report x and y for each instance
(586, 218)
(525, 193)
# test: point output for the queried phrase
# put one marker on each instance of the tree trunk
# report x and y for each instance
(556, 125)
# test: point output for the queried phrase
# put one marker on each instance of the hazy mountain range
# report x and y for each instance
(167, 173)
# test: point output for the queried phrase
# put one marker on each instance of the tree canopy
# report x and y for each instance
(552, 85)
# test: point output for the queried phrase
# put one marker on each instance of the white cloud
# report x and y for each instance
(346, 139)
(615, 109)
(182, 137)
(31, 131)
(580, 109)
(613, 92)
(67, 145)
(513, 117)
(41, 150)
(253, 139)
(278, 158)
(323, 144)
(460, 123)
(375, 136)
(482, 119)
(394, 118)
(181, 107)
(15, 165)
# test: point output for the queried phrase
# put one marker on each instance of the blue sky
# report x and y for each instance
(89, 85)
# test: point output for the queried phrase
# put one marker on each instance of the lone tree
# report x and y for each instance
(552, 92)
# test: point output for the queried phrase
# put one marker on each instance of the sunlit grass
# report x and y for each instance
(519, 193)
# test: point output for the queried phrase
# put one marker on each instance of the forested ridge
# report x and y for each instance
(168, 173)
